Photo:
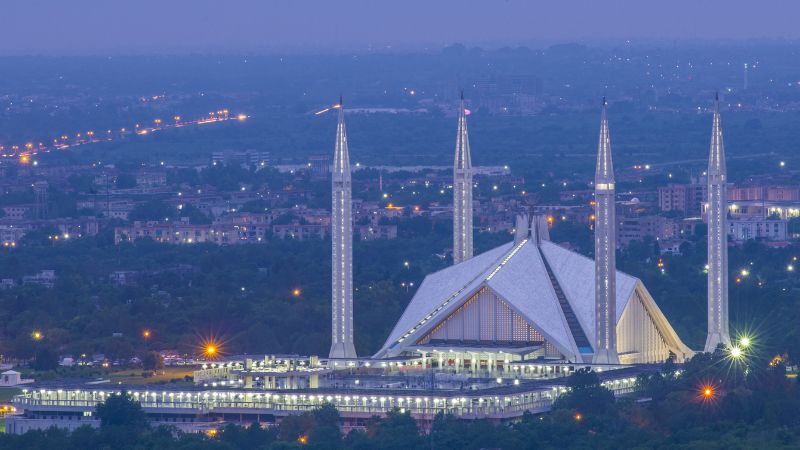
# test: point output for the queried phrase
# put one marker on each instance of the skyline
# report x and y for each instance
(89, 26)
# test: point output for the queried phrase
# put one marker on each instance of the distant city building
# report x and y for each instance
(40, 194)
(320, 165)
(638, 228)
(671, 246)
(17, 212)
(46, 278)
(228, 229)
(10, 234)
(371, 232)
(744, 229)
(300, 231)
(243, 157)
(768, 193)
(123, 277)
(685, 198)
(151, 179)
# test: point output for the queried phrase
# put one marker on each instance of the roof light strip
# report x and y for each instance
(508, 258)
(455, 294)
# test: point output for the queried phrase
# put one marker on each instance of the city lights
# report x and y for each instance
(296, 292)
(37, 335)
(26, 151)
(146, 334)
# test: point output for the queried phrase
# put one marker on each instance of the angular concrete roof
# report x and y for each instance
(575, 274)
(517, 273)
(445, 286)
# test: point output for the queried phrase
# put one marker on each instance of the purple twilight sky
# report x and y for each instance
(81, 26)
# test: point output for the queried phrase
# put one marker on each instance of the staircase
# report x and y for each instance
(574, 326)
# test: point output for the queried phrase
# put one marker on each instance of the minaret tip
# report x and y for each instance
(605, 101)
(462, 95)
(341, 101)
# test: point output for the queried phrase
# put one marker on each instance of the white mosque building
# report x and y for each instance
(531, 299)
(493, 336)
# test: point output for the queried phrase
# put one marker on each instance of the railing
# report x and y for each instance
(480, 404)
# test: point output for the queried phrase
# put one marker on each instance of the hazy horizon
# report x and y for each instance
(149, 26)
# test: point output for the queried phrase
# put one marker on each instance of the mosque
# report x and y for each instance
(529, 299)
(491, 337)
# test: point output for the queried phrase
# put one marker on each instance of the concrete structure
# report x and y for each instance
(13, 378)
(527, 300)
(462, 191)
(717, 240)
(686, 198)
(342, 246)
(521, 388)
(46, 278)
(605, 274)
(372, 232)
(747, 228)
(631, 229)
(768, 193)
(40, 194)
(300, 231)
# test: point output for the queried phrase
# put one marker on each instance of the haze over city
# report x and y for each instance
(361, 225)
(151, 26)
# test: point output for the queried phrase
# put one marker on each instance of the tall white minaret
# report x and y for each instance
(717, 239)
(342, 243)
(462, 191)
(605, 267)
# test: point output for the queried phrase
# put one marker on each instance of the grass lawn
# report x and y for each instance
(134, 376)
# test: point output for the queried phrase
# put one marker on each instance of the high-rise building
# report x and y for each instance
(717, 240)
(40, 194)
(462, 191)
(605, 351)
(342, 247)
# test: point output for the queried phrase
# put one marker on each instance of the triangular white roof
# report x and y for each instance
(446, 285)
(524, 284)
(575, 274)
(516, 272)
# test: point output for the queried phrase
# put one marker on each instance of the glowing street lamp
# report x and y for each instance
(745, 342)
(736, 352)
(708, 392)
(37, 335)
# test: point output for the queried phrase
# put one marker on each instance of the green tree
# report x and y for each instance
(153, 361)
(122, 411)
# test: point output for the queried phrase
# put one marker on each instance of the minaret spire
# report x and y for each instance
(605, 292)
(342, 246)
(717, 239)
(462, 191)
